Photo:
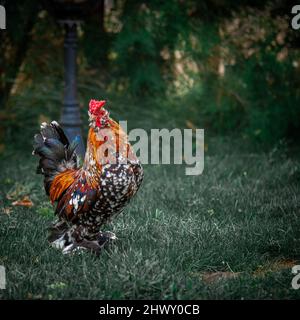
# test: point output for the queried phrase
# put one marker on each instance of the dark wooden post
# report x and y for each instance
(70, 118)
(70, 13)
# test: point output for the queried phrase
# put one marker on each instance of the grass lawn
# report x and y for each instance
(231, 233)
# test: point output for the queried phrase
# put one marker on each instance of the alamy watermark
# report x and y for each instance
(161, 146)
(2, 278)
(296, 279)
(2, 18)
(295, 22)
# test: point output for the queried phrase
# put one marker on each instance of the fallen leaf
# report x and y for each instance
(276, 266)
(25, 202)
(211, 277)
(34, 296)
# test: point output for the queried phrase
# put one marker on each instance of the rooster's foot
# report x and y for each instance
(92, 246)
(105, 237)
(95, 246)
(70, 245)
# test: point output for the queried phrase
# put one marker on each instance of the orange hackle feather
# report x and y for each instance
(65, 180)
(60, 183)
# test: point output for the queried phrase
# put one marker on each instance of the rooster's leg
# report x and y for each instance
(95, 246)
(95, 243)
(59, 236)
(92, 246)
(57, 230)
(70, 241)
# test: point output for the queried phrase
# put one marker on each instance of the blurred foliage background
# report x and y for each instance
(231, 67)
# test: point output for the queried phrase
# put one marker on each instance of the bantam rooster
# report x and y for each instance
(88, 196)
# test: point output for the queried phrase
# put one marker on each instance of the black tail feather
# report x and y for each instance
(62, 137)
(55, 151)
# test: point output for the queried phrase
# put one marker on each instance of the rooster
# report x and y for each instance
(87, 196)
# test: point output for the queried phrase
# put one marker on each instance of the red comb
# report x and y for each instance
(95, 106)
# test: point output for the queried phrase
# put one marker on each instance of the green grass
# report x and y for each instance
(241, 215)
